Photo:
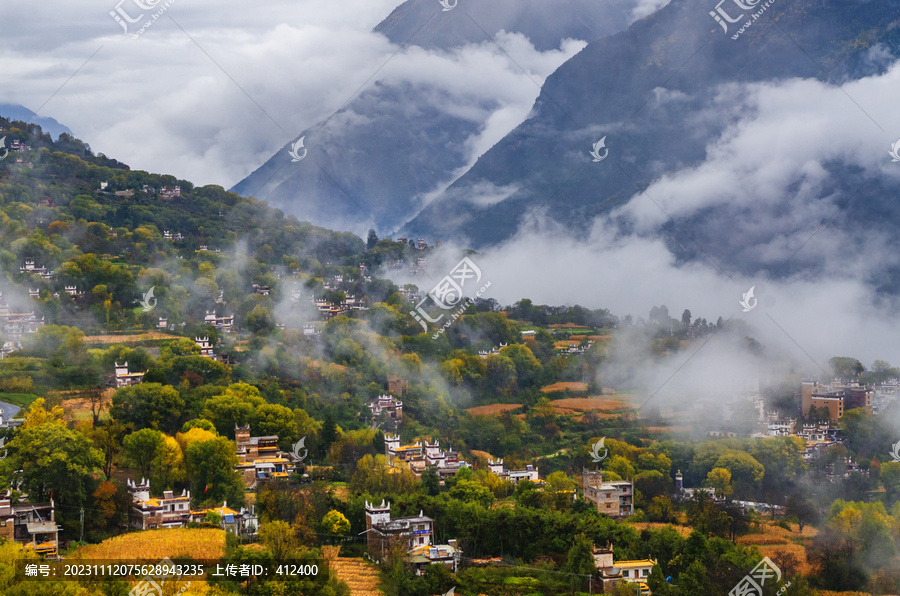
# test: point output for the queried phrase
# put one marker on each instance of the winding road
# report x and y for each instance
(8, 410)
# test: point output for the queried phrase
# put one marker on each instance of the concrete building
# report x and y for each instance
(32, 525)
(615, 499)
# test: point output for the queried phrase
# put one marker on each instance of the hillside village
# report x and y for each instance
(281, 395)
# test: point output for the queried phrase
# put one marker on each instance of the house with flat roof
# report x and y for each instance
(124, 378)
(414, 534)
(33, 525)
(615, 499)
(634, 572)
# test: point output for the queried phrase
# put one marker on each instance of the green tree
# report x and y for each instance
(275, 420)
(50, 457)
(149, 405)
(472, 492)
(661, 510)
(235, 407)
(580, 560)
(142, 448)
(210, 467)
(430, 483)
(746, 472)
(371, 240)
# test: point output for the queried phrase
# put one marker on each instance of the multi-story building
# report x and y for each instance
(414, 535)
(396, 385)
(148, 513)
(225, 323)
(32, 525)
(420, 457)
(127, 379)
(388, 405)
(615, 498)
(529, 472)
(206, 348)
(836, 397)
(259, 457)
(31, 269)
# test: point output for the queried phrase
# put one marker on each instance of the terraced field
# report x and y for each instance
(360, 575)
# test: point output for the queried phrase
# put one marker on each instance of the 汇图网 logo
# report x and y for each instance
(448, 294)
(295, 152)
(149, 301)
(596, 457)
(748, 301)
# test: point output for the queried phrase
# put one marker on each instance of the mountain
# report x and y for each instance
(19, 112)
(371, 164)
(663, 94)
(543, 22)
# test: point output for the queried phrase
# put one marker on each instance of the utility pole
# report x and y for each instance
(82, 526)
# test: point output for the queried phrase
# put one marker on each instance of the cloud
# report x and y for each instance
(211, 91)
(764, 188)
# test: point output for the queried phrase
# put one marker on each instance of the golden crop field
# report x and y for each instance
(563, 386)
(772, 534)
(583, 404)
(492, 409)
(199, 543)
(127, 339)
(360, 575)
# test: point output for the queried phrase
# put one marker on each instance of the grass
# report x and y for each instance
(23, 400)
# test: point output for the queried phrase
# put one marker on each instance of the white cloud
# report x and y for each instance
(214, 110)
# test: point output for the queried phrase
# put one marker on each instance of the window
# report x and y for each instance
(625, 573)
(644, 572)
(421, 540)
